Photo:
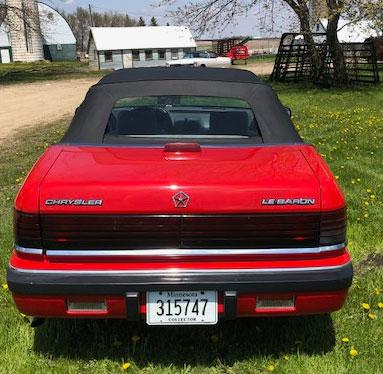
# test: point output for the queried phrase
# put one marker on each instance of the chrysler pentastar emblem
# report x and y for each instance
(181, 200)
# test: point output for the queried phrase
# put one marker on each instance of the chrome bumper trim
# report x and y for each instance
(29, 251)
(182, 252)
(182, 272)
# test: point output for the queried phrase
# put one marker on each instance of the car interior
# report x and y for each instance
(170, 117)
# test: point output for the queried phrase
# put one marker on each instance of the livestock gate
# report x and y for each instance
(294, 63)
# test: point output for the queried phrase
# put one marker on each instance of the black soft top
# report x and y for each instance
(180, 73)
(91, 119)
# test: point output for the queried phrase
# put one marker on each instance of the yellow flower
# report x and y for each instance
(336, 176)
(135, 338)
(5, 286)
(372, 197)
(368, 190)
(353, 352)
(285, 357)
(376, 291)
(380, 305)
(366, 306)
(371, 316)
(126, 365)
(271, 368)
(214, 339)
(345, 340)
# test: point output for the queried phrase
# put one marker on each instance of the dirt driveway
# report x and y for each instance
(23, 105)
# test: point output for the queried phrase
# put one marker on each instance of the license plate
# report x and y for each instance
(181, 308)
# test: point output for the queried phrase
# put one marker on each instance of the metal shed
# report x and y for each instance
(127, 47)
(57, 38)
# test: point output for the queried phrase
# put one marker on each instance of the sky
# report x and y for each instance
(258, 22)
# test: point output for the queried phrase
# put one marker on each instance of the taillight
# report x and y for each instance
(27, 230)
(333, 227)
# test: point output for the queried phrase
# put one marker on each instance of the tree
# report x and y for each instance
(141, 22)
(205, 15)
(153, 21)
(80, 23)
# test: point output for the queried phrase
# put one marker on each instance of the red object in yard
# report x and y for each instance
(238, 52)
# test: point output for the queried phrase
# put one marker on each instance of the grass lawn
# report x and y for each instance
(19, 72)
(347, 128)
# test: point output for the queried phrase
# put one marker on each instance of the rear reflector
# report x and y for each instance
(333, 227)
(88, 306)
(275, 303)
(27, 230)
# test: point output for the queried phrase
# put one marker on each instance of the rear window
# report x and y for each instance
(181, 117)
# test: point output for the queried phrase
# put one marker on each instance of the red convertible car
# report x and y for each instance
(180, 196)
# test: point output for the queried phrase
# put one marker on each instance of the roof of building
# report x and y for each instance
(54, 28)
(150, 37)
(4, 40)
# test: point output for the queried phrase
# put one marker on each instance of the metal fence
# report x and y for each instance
(294, 61)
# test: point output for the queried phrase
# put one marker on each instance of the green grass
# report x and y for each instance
(347, 128)
(40, 71)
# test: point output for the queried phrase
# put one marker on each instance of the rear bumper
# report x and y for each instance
(45, 293)
(117, 282)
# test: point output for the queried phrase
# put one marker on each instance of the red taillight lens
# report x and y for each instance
(27, 230)
(333, 228)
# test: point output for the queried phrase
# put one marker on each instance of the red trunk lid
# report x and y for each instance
(143, 180)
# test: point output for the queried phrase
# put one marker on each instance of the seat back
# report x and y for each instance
(229, 123)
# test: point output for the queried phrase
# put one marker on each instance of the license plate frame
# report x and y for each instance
(178, 312)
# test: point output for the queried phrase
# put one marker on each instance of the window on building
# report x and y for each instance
(136, 55)
(148, 54)
(174, 54)
(161, 54)
(108, 56)
(186, 51)
(59, 47)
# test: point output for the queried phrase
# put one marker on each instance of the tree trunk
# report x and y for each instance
(316, 61)
(335, 48)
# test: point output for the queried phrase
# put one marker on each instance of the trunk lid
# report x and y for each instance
(144, 180)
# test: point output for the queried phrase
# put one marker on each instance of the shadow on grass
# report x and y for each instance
(237, 340)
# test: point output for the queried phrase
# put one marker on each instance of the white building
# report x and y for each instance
(127, 47)
(54, 41)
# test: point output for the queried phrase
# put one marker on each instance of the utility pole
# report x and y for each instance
(91, 15)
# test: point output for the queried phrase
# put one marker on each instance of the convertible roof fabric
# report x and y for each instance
(180, 73)
(91, 118)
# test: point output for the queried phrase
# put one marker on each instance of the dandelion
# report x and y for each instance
(214, 339)
(365, 215)
(336, 176)
(371, 316)
(372, 197)
(286, 357)
(345, 340)
(271, 368)
(126, 365)
(353, 352)
(366, 306)
(380, 305)
(376, 291)
(135, 338)
(5, 286)
(368, 190)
